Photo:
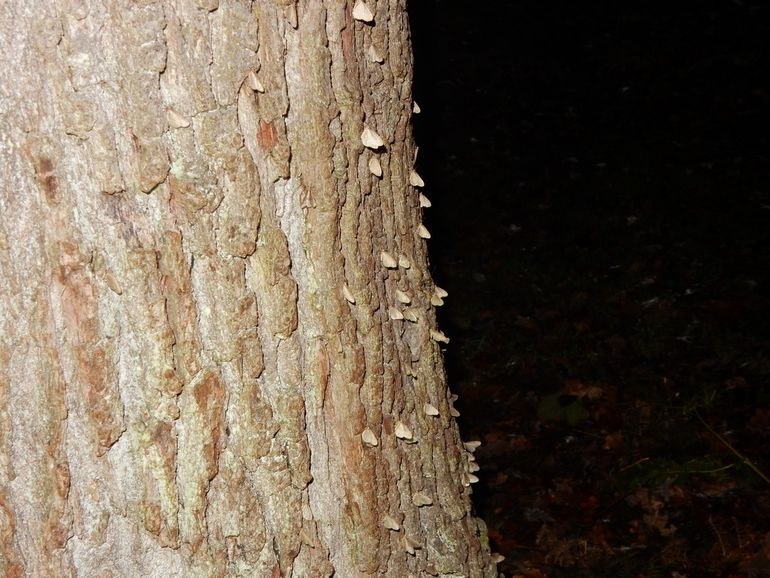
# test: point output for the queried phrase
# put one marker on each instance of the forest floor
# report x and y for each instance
(601, 219)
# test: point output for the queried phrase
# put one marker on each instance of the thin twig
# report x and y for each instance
(711, 471)
(738, 533)
(636, 463)
(738, 454)
(719, 537)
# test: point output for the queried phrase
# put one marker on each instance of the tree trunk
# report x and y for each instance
(219, 351)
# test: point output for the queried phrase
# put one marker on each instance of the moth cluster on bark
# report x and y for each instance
(201, 368)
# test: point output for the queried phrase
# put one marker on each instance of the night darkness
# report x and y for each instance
(600, 179)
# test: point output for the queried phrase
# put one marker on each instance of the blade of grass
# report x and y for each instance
(727, 444)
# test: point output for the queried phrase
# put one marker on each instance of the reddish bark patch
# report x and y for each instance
(348, 43)
(266, 135)
(100, 388)
(157, 521)
(96, 365)
(8, 552)
(203, 391)
(152, 518)
(56, 532)
(209, 394)
(62, 479)
(44, 171)
(165, 441)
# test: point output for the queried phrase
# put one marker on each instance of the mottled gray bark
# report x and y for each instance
(219, 352)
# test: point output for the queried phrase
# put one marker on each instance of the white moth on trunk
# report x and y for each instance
(291, 15)
(429, 409)
(371, 139)
(409, 544)
(348, 294)
(362, 12)
(368, 437)
(415, 180)
(112, 283)
(375, 167)
(390, 523)
(472, 446)
(411, 315)
(423, 232)
(402, 297)
(425, 201)
(254, 83)
(437, 335)
(395, 313)
(404, 262)
(388, 261)
(420, 499)
(177, 119)
(402, 431)
(374, 55)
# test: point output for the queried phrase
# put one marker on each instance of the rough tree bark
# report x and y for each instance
(219, 352)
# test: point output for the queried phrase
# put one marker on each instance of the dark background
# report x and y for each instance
(600, 181)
